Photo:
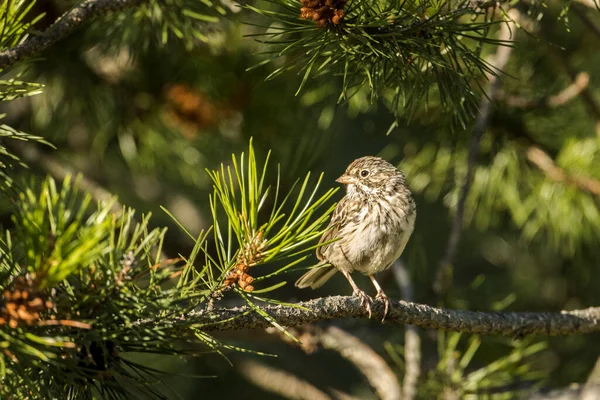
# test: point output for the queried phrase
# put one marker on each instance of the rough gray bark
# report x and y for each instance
(63, 27)
(511, 324)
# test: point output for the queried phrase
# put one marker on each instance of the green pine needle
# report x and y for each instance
(403, 51)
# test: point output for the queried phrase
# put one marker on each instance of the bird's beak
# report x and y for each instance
(345, 179)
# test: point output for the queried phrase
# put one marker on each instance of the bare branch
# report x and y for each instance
(370, 364)
(581, 13)
(412, 340)
(498, 61)
(586, 94)
(63, 27)
(511, 324)
(31, 154)
(590, 3)
(591, 389)
(564, 96)
(278, 381)
(366, 360)
(546, 164)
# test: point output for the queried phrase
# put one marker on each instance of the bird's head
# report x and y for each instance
(371, 176)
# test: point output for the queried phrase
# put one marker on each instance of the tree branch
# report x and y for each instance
(63, 27)
(372, 366)
(364, 358)
(278, 381)
(511, 324)
(547, 165)
(569, 93)
(498, 60)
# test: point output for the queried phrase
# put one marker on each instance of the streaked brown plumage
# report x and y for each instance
(372, 223)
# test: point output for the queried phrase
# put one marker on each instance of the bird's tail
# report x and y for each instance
(316, 277)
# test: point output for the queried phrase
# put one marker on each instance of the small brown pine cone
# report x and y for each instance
(338, 16)
(242, 284)
(246, 278)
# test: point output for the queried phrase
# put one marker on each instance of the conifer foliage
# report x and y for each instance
(160, 100)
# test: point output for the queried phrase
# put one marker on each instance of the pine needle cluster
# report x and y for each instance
(85, 288)
(406, 51)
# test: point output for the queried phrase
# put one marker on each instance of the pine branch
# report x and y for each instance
(63, 27)
(511, 324)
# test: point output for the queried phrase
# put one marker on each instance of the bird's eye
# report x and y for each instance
(364, 173)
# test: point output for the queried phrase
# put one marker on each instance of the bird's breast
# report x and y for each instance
(374, 238)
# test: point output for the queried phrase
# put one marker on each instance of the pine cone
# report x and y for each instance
(323, 11)
(22, 303)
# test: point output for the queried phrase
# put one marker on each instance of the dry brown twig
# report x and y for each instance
(547, 165)
(580, 83)
(278, 381)
(591, 389)
(363, 357)
(369, 363)
(586, 94)
(590, 3)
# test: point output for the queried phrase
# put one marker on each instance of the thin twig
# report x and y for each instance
(73, 19)
(510, 324)
(588, 98)
(564, 96)
(582, 15)
(278, 381)
(590, 3)
(31, 154)
(545, 163)
(499, 60)
(366, 360)
(591, 389)
(412, 340)
(370, 364)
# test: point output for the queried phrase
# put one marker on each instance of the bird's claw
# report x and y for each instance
(383, 297)
(365, 300)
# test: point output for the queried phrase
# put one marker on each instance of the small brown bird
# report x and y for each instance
(372, 223)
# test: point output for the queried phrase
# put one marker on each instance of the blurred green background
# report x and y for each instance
(143, 119)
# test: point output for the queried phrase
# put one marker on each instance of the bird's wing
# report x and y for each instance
(337, 218)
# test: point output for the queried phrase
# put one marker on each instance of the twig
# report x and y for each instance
(279, 382)
(591, 389)
(370, 364)
(63, 27)
(412, 340)
(57, 170)
(588, 391)
(586, 95)
(582, 15)
(498, 62)
(590, 3)
(573, 392)
(564, 96)
(511, 324)
(367, 361)
(545, 163)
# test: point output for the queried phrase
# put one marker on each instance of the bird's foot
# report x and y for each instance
(383, 297)
(365, 300)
